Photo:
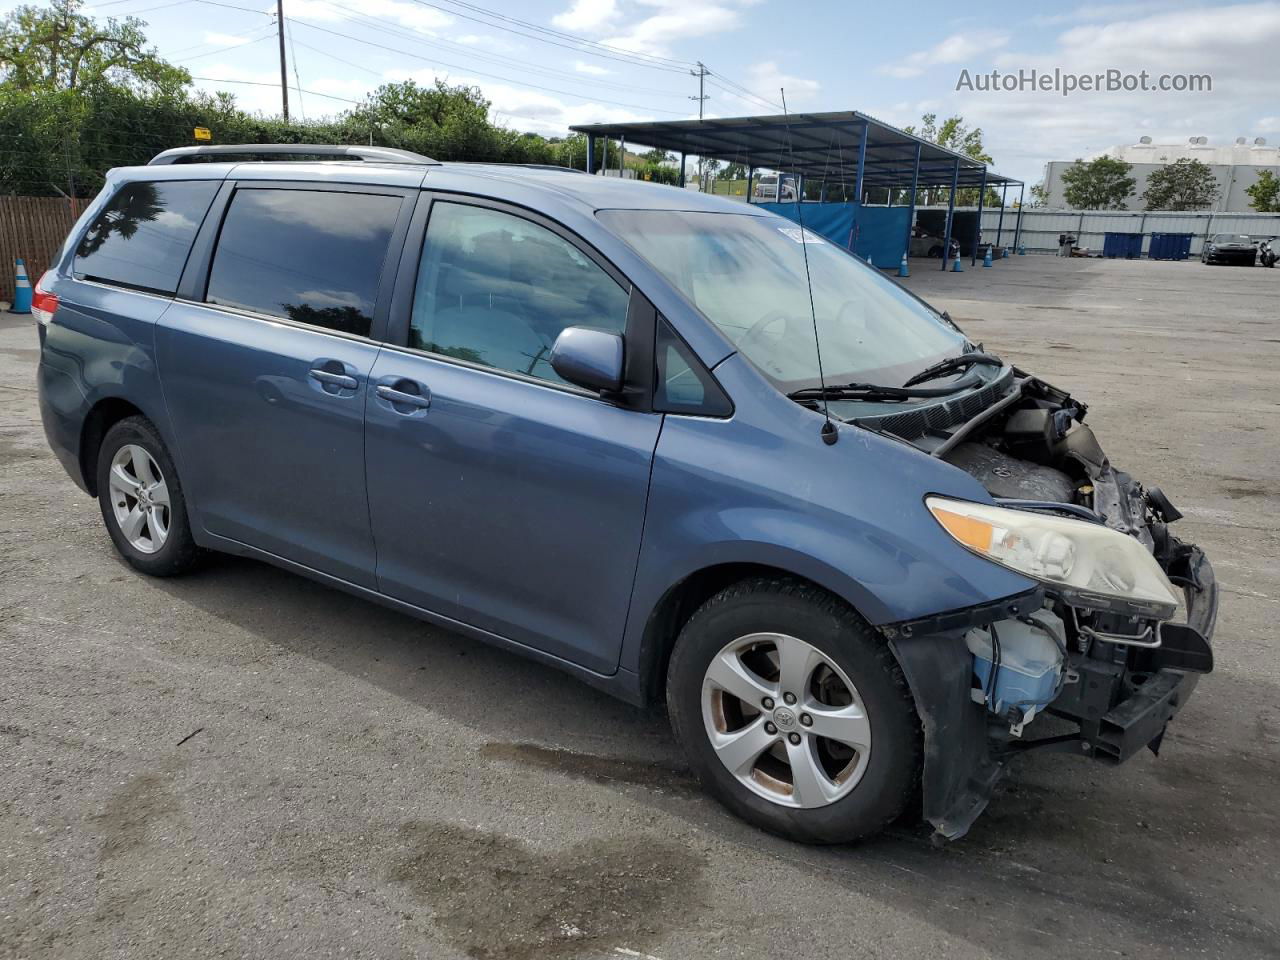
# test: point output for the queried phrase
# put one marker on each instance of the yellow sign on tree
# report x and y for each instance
(202, 133)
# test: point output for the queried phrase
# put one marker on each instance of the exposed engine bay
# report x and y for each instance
(1114, 670)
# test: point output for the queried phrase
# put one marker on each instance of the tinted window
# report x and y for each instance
(305, 255)
(497, 289)
(142, 238)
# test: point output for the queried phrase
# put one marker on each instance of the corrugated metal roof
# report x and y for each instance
(824, 146)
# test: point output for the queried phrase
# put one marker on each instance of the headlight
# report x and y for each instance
(1088, 563)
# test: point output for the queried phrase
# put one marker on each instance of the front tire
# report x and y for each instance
(794, 713)
(142, 501)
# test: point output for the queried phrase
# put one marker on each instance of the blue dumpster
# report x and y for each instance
(1170, 246)
(1126, 245)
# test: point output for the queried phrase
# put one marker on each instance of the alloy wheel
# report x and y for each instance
(785, 720)
(139, 498)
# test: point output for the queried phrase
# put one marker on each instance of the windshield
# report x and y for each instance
(1232, 238)
(746, 274)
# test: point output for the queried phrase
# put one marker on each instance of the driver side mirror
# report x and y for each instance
(591, 358)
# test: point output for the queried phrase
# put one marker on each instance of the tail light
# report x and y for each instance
(43, 303)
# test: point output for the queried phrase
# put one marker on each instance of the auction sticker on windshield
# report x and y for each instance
(801, 236)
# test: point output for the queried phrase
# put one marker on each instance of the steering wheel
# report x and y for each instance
(756, 330)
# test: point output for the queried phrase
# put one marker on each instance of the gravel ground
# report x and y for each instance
(242, 763)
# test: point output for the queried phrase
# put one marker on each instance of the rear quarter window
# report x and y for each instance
(142, 238)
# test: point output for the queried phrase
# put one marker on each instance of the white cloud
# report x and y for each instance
(590, 68)
(1268, 125)
(957, 48)
(678, 20)
(1234, 44)
(587, 16)
(529, 110)
(767, 79)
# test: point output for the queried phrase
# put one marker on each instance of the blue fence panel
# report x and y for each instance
(882, 231)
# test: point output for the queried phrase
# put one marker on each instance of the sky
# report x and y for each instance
(887, 60)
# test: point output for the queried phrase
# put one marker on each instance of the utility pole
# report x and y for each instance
(284, 77)
(701, 74)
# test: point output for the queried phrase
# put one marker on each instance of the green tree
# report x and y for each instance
(953, 134)
(59, 48)
(1101, 184)
(1264, 193)
(1039, 195)
(1182, 185)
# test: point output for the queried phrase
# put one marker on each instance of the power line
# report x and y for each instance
(580, 45)
(331, 56)
(296, 78)
(742, 92)
(233, 6)
(234, 46)
(562, 34)
(259, 83)
(492, 76)
(374, 23)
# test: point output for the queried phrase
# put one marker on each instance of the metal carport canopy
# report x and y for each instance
(821, 146)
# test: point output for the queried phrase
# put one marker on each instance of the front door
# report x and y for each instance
(266, 379)
(501, 496)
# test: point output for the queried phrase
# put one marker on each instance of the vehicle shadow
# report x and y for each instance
(1071, 857)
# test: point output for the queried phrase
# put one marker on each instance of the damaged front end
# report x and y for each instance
(1115, 663)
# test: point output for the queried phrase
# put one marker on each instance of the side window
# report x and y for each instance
(683, 384)
(307, 255)
(142, 238)
(496, 289)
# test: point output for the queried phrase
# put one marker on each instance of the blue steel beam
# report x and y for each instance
(951, 209)
(857, 188)
(1017, 230)
(977, 227)
(1004, 197)
(911, 211)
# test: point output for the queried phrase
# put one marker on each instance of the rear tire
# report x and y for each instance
(763, 637)
(142, 501)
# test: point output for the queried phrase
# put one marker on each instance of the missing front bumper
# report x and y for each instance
(1120, 705)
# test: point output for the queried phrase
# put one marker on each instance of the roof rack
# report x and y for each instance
(269, 151)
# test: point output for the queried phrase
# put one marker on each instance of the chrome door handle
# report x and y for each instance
(392, 395)
(335, 379)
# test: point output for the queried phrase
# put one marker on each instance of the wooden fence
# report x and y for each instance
(32, 228)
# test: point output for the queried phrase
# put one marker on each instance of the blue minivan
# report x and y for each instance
(677, 446)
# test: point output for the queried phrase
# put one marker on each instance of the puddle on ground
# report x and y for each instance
(130, 812)
(588, 766)
(496, 899)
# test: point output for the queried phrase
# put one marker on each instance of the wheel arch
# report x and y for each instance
(678, 603)
(102, 416)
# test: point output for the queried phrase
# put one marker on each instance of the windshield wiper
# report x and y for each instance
(936, 370)
(876, 393)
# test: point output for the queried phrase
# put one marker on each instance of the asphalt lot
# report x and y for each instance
(245, 764)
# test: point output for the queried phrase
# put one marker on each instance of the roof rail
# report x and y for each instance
(549, 166)
(268, 151)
